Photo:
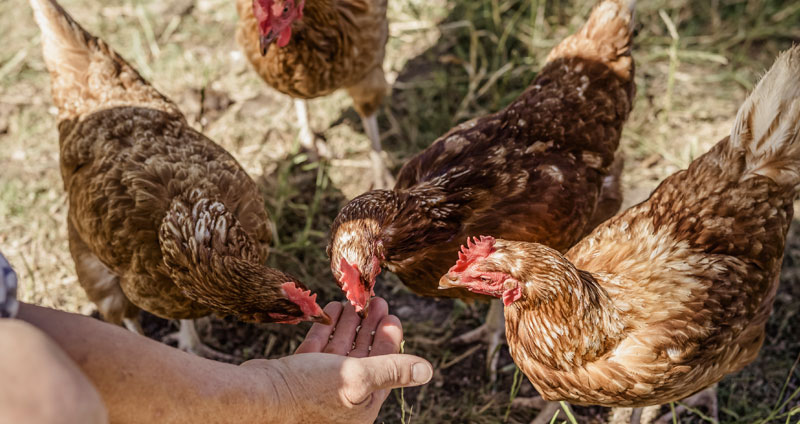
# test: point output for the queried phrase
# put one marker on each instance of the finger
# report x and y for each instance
(388, 372)
(388, 336)
(378, 310)
(319, 334)
(387, 341)
(342, 340)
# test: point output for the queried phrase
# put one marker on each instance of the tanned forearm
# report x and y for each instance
(141, 380)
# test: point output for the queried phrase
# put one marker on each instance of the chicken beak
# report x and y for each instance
(449, 281)
(323, 319)
(363, 312)
(265, 41)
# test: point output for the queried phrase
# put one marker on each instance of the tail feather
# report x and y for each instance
(767, 126)
(87, 75)
(607, 36)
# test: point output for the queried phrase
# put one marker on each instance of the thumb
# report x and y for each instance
(389, 372)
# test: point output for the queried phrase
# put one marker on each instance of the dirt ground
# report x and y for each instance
(447, 61)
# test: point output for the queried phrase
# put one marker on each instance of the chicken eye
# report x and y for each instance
(285, 9)
(485, 279)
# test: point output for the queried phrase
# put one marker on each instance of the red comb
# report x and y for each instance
(302, 298)
(262, 9)
(475, 248)
(293, 292)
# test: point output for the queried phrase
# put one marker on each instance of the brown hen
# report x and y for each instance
(533, 171)
(160, 217)
(311, 48)
(667, 298)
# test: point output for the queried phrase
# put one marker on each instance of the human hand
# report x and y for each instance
(344, 372)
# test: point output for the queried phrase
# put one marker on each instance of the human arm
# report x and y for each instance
(141, 380)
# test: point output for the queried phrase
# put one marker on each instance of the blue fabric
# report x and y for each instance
(8, 289)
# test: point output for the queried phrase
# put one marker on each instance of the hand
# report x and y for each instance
(349, 382)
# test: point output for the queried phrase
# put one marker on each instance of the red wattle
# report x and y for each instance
(286, 35)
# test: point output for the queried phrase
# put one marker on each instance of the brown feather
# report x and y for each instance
(337, 44)
(132, 167)
(532, 171)
(673, 294)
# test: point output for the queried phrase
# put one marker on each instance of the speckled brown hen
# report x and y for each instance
(311, 48)
(667, 298)
(160, 217)
(533, 171)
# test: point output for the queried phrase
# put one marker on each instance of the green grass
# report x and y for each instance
(448, 61)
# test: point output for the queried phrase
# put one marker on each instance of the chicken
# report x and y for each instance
(667, 298)
(308, 49)
(160, 217)
(534, 171)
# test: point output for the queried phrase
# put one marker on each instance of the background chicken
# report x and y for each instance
(308, 49)
(670, 296)
(440, 68)
(160, 217)
(534, 171)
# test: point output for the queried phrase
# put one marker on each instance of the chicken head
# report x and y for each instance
(275, 19)
(307, 302)
(477, 271)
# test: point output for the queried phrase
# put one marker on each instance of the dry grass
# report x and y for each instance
(448, 60)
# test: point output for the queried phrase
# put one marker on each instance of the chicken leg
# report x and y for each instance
(367, 95)
(492, 332)
(382, 177)
(189, 341)
(707, 398)
(308, 140)
(547, 410)
(644, 415)
(648, 415)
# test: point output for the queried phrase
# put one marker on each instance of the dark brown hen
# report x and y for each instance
(533, 171)
(160, 217)
(667, 298)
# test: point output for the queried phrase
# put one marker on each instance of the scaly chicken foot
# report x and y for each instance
(620, 416)
(382, 177)
(648, 415)
(492, 332)
(309, 141)
(644, 415)
(189, 341)
(707, 398)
